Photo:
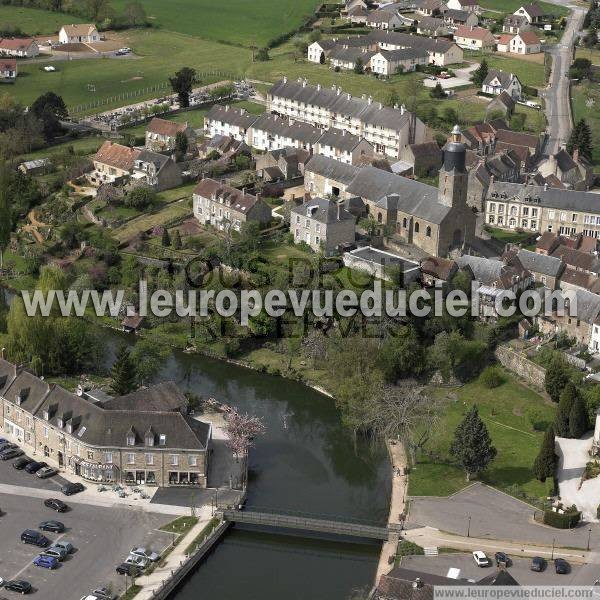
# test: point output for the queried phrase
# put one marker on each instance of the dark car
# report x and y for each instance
(47, 562)
(11, 453)
(18, 585)
(56, 504)
(128, 569)
(53, 526)
(502, 559)
(22, 462)
(561, 566)
(6, 446)
(30, 536)
(538, 564)
(35, 466)
(72, 488)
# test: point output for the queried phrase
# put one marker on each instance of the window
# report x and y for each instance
(491, 219)
(108, 457)
(417, 227)
(149, 459)
(130, 439)
(551, 214)
(162, 440)
(174, 460)
(404, 222)
(525, 211)
(90, 455)
(130, 458)
(46, 432)
(193, 461)
(428, 232)
(563, 216)
(574, 217)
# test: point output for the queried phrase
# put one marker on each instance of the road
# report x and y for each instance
(558, 108)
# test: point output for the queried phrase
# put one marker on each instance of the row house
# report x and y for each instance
(348, 57)
(384, 19)
(390, 62)
(161, 135)
(228, 121)
(273, 132)
(456, 17)
(320, 50)
(541, 208)
(387, 129)
(432, 26)
(343, 146)
(19, 47)
(222, 206)
(324, 176)
(144, 438)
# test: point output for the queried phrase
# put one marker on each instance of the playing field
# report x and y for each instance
(33, 21)
(245, 22)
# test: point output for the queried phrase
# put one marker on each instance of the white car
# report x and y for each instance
(49, 69)
(481, 560)
(143, 552)
(139, 561)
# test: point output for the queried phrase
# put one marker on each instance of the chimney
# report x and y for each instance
(306, 197)
(576, 154)
(318, 87)
(226, 107)
(284, 79)
(349, 96)
(304, 83)
(380, 106)
(339, 209)
(343, 132)
(417, 583)
(293, 197)
(369, 100)
(339, 90)
(545, 186)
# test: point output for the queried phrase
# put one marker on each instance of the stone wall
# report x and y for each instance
(519, 364)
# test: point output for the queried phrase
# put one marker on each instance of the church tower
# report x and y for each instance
(452, 189)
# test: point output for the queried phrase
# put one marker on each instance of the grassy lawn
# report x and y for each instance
(585, 100)
(590, 53)
(506, 412)
(529, 73)
(34, 21)
(509, 6)
(180, 526)
(505, 236)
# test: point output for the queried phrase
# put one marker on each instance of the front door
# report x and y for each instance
(61, 459)
(140, 477)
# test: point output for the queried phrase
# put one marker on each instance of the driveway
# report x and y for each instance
(463, 77)
(493, 515)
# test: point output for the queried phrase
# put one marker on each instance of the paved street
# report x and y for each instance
(102, 538)
(439, 565)
(493, 515)
(558, 111)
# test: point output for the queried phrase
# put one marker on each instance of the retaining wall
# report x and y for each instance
(519, 364)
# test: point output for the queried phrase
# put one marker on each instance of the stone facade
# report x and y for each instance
(519, 364)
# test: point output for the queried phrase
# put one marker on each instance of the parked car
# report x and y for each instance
(22, 462)
(53, 526)
(56, 552)
(18, 585)
(5, 445)
(56, 504)
(502, 558)
(139, 561)
(30, 536)
(103, 593)
(64, 545)
(11, 453)
(151, 556)
(46, 472)
(481, 560)
(538, 564)
(72, 488)
(128, 569)
(35, 466)
(43, 560)
(561, 566)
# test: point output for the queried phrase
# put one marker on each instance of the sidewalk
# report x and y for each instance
(429, 536)
(153, 582)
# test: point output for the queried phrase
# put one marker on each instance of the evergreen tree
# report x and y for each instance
(557, 377)
(546, 461)
(176, 240)
(480, 73)
(578, 418)
(437, 91)
(123, 373)
(472, 445)
(5, 213)
(567, 400)
(581, 138)
(166, 238)
(359, 66)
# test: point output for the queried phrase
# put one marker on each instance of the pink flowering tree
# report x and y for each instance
(242, 429)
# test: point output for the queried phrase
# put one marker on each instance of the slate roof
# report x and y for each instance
(403, 54)
(505, 98)
(485, 270)
(415, 198)
(588, 306)
(8, 372)
(518, 138)
(503, 77)
(407, 40)
(456, 15)
(159, 160)
(284, 127)
(331, 169)
(116, 155)
(539, 263)
(533, 10)
(165, 396)
(432, 23)
(551, 198)
(425, 149)
(322, 210)
(501, 577)
(164, 127)
(236, 199)
(398, 584)
(564, 161)
(237, 117)
(516, 20)
(30, 388)
(577, 278)
(340, 139)
(381, 16)
(350, 54)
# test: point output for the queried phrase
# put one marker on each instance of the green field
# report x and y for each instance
(585, 100)
(529, 73)
(506, 412)
(509, 6)
(33, 21)
(242, 22)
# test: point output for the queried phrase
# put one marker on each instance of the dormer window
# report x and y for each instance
(18, 399)
(46, 415)
(130, 439)
(69, 427)
(162, 440)
(60, 423)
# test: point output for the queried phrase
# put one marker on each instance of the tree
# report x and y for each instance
(241, 430)
(262, 55)
(578, 419)
(5, 213)
(50, 108)
(472, 445)
(123, 373)
(557, 377)
(393, 98)
(401, 355)
(581, 139)
(97, 10)
(149, 358)
(135, 14)
(176, 240)
(563, 413)
(437, 91)
(369, 224)
(182, 84)
(359, 66)
(181, 144)
(140, 197)
(480, 73)
(546, 461)
(166, 238)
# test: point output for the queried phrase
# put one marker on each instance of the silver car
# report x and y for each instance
(55, 552)
(144, 553)
(64, 545)
(45, 472)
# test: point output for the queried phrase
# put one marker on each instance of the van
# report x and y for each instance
(30, 536)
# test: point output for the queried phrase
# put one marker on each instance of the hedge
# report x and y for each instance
(566, 520)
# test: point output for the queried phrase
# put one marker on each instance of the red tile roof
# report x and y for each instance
(475, 33)
(15, 43)
(8, 64)
(164, 127)
(116, 155)
(529, 37)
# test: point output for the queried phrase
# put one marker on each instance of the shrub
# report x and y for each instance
(566, 520)
(538, 419)
(492, 377)
(406, 548)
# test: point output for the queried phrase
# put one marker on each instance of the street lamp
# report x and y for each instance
(589, 536)
(469, 527)
(553, 541)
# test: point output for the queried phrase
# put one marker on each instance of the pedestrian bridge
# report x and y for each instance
(304, 523)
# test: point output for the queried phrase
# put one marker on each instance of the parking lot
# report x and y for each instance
(519, 569)
(102, 538)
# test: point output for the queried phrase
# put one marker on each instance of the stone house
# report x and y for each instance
(346, 57)
(318, 51)
(545, 270)
(425, 158)
(343, 146)
(155, 170)
(19, 47)
(435, 269)
(161, 135)
(113, 163)
(455, 18)
(498, 167)
(219, 205)
(78, 34)
(574, 171)
(322, 224)
(525, 145)
(432, 26)
(502, 103)
(146, 438)
(282, 165)
(497, 82)
(390, 62)
(476, 38)
(324, 176)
